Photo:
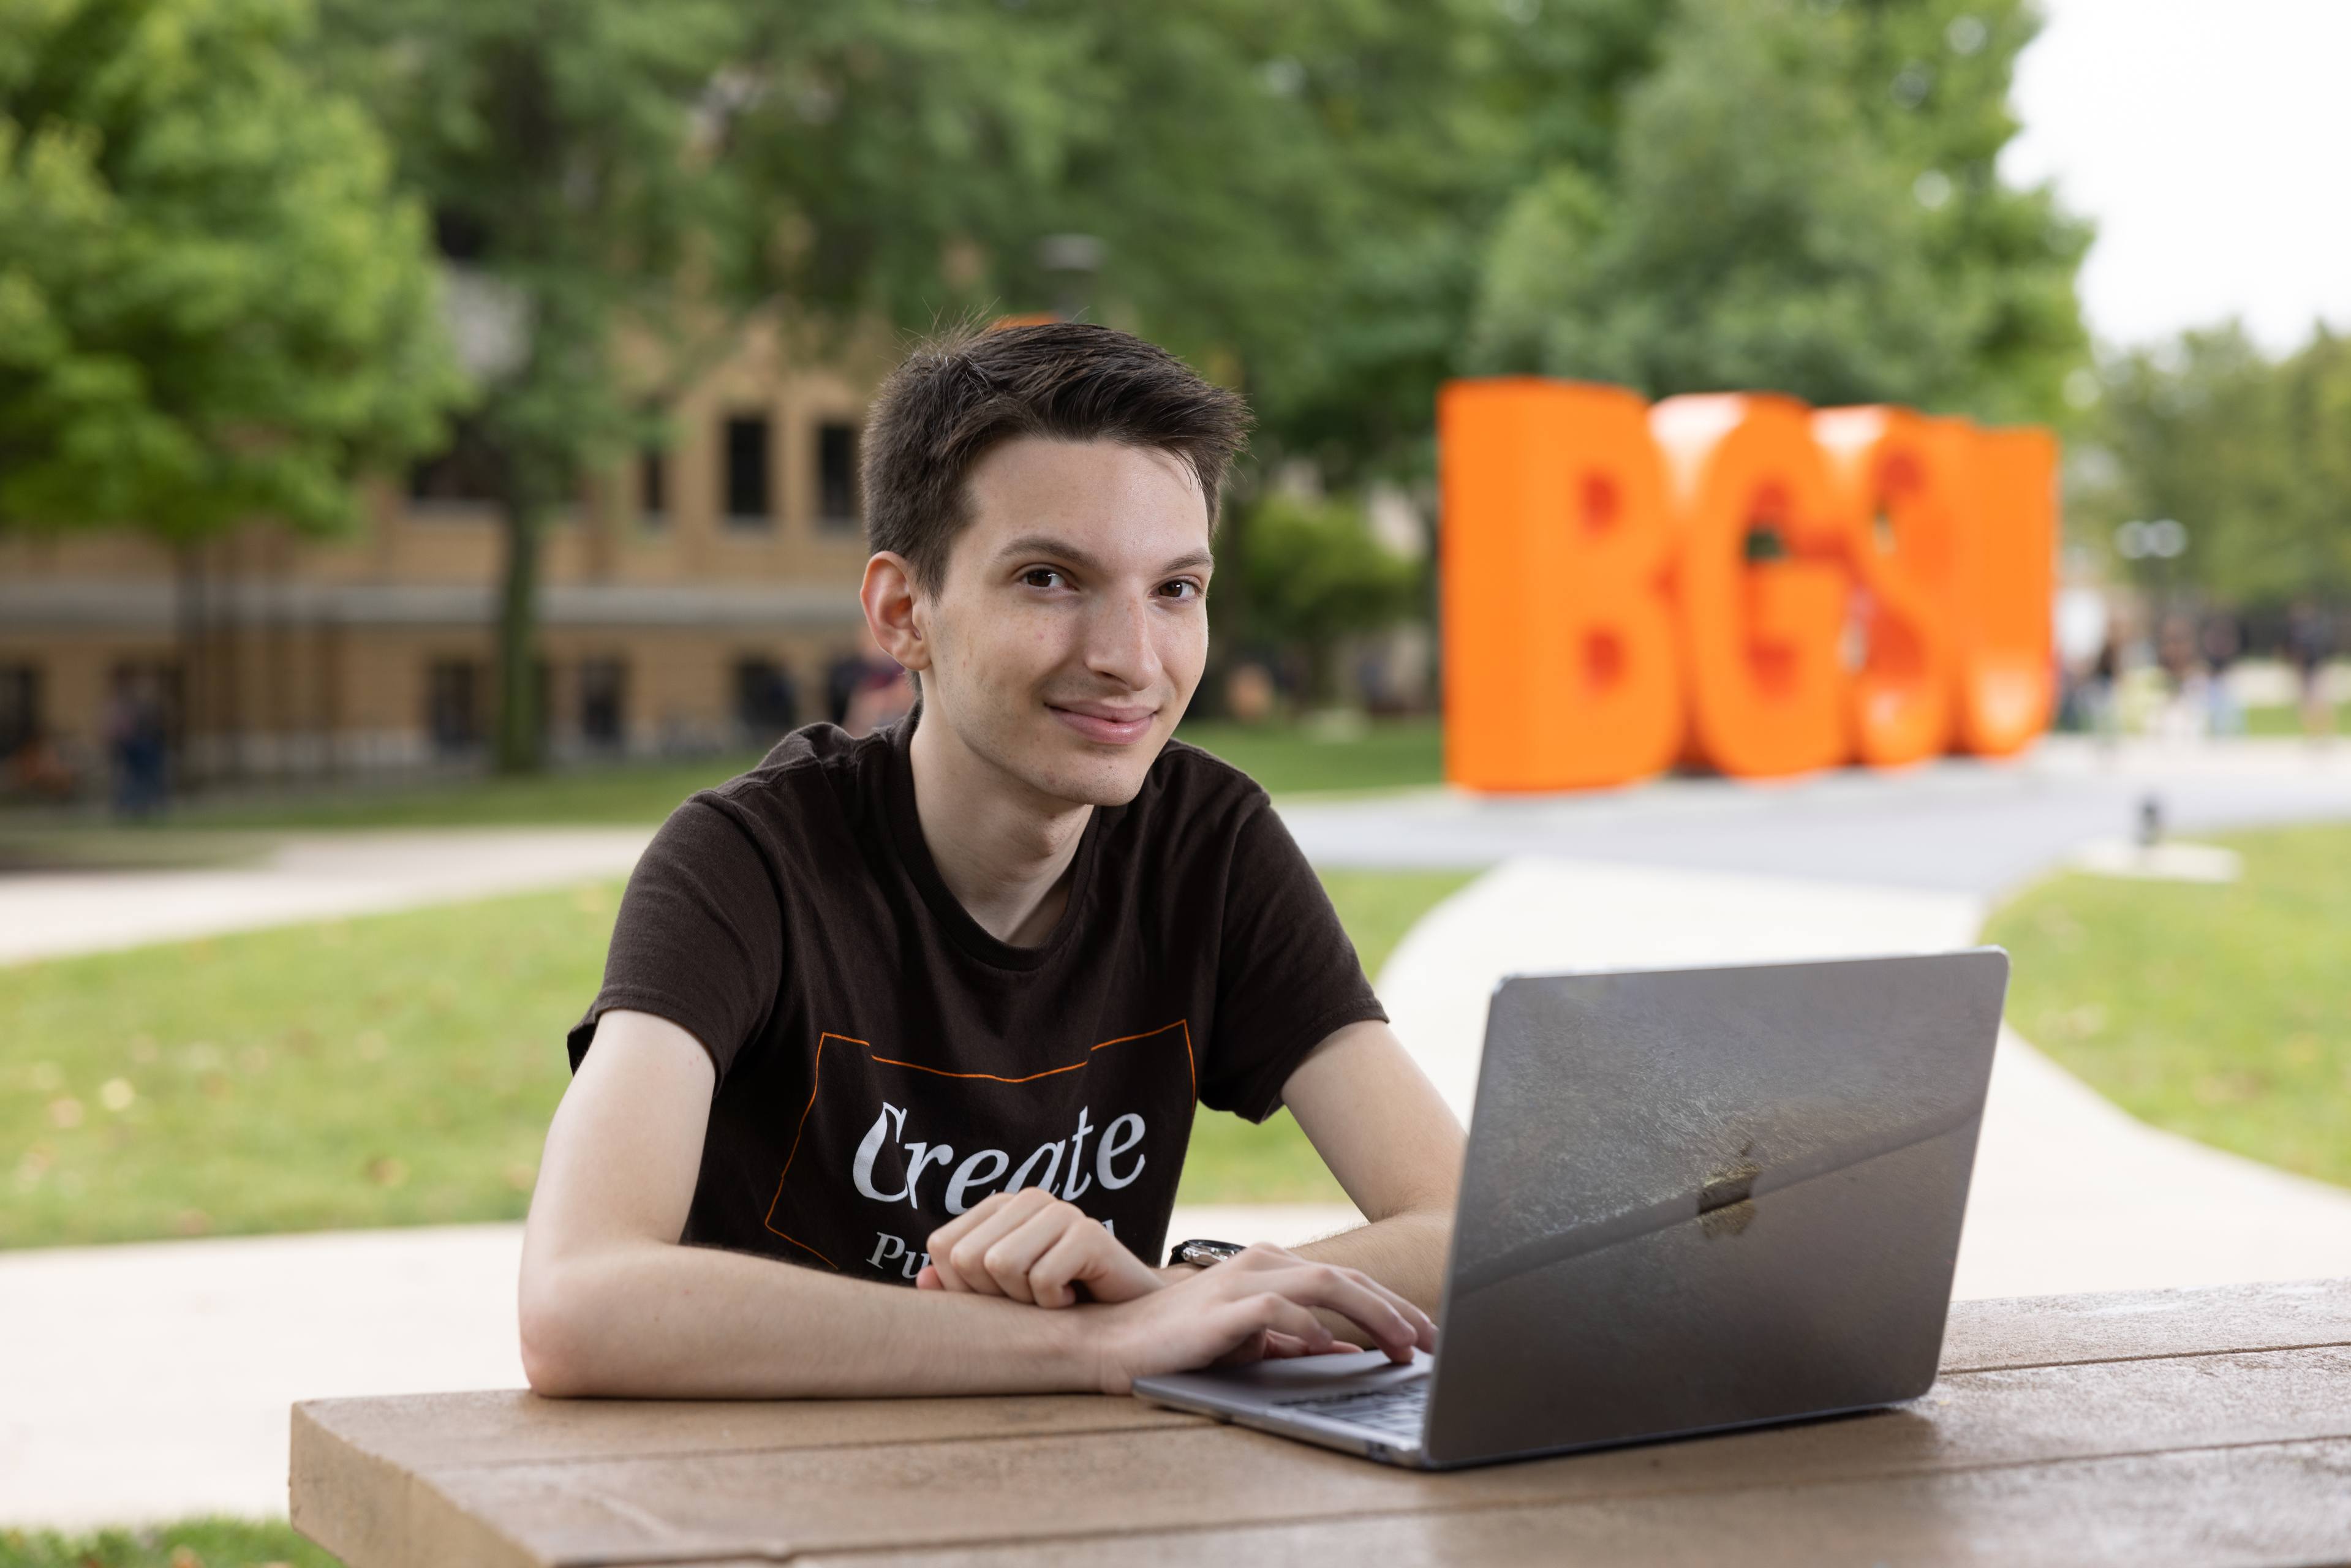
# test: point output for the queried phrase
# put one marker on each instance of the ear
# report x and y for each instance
(891, 604)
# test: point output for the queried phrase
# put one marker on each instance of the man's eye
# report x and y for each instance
(1181, 588)
(1041, 577)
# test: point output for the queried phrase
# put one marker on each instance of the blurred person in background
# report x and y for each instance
(138, 739)
(2309, 640)
(2179, 651)
(2101, 691)
(844, 673)
(866, 690)
(2222, 643)
(1249, 696)
(883, 695)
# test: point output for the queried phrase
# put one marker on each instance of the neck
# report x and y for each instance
(1002, 848)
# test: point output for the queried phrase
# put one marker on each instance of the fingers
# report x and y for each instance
(1053, 1278)
(1278, 1347)
(1275, 1314)
(1033, 1248)
(959, 1248)
(1395, 1325)
(1009, 1258)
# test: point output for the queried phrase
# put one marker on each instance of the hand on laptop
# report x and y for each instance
(1255, 1307)
(1035, 1248)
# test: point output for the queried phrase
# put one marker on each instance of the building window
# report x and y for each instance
(747, 503)
(767, 699)
(653, 486)
(836, 475)
(20, 707)
(604, 703)
(452, 706)
(464, 475)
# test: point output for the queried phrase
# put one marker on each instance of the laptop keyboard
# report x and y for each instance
(1395, 1413)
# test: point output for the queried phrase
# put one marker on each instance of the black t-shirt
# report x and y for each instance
(884, 1063)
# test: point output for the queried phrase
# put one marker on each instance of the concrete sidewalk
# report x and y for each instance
(1954, 825)
(2069, 1194)
(305, 876)
(1950, 825)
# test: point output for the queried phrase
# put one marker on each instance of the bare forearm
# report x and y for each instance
(1406, 1252)
(1389, 1138)
(647, 1319)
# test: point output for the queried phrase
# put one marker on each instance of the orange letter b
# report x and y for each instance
(1559, 654)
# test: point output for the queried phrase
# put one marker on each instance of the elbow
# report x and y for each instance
(559, 1357)
(550, 1369)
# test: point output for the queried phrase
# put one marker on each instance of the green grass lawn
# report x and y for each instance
(2219, 1012)
(1286, 758)
(2288, 721)
(1231, 1161)
(195, 1544)
(398, 1070)
(1388, 754)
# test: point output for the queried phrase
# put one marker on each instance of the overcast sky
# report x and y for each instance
(2212, 141)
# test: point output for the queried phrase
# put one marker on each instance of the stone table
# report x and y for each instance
(2205, 1427)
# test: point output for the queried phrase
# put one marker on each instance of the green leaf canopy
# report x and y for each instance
(212, 304)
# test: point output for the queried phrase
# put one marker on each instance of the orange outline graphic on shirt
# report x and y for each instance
(1191, 1064)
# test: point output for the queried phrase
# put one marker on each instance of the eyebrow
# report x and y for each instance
(1046, 544)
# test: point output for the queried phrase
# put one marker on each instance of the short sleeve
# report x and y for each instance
(699, 938)
(1287, 976)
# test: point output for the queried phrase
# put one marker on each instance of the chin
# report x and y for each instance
(1105, 783)
(1085, 776)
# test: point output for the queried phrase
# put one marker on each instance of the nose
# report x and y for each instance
(1118, 641)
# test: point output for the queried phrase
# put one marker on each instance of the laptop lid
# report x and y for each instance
(1698, 1199)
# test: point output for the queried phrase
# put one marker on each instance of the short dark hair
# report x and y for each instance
(965, 392)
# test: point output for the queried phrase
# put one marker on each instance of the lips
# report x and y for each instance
(1104, 724)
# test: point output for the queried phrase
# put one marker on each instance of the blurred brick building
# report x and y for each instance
(693, 599)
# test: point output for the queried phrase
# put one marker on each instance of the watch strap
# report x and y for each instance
(1202, 1253)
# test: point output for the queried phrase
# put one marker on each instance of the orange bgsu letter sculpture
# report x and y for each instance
(1737, 581)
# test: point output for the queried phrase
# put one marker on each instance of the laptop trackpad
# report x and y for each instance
(1265, 1382)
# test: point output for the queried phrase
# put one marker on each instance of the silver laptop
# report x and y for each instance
(1694, 1199)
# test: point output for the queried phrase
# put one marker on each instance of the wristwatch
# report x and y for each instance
(1201, 1254)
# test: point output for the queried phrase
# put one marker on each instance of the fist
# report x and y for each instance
(1031, 1246)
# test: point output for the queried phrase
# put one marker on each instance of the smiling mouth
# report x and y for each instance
(1115, 727)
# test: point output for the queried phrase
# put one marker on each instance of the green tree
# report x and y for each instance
(1303, 199)
(212, 307)
(2252, 454)
(1316, 575)
(603, 170)
(1296, 197)
(914, 158)
(1801, 198)
(565, 154)
(1429, 118)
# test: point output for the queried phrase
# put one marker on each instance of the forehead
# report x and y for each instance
(1117, 500)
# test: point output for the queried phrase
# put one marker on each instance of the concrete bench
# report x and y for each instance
(2207, 1425)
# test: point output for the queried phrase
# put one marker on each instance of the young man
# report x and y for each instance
(934, 1007)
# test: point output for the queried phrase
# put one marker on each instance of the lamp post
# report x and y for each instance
(2162, 541)
(1071, 261)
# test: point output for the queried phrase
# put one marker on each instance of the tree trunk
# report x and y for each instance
(188, 724)
(518, 747)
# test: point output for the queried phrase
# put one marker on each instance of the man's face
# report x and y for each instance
(1070, 626)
